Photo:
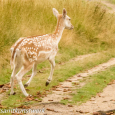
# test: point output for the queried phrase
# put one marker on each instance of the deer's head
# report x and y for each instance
(64, 18)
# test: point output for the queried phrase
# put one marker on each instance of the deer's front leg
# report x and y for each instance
(52, 61)
(34, 71)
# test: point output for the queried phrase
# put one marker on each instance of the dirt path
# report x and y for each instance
(103, 101)
(67, 86)
(111, 7)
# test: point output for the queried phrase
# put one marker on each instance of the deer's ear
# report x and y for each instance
(64, 12)
(55, 12)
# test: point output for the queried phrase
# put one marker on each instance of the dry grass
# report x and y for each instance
(93, 26)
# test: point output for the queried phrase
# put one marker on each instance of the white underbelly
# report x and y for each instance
(42, 56)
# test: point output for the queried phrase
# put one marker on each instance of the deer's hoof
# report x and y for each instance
(47, 83)
(25, 85)
(28, 95)
(13, 93)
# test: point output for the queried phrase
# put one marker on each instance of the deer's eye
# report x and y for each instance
(69, 19)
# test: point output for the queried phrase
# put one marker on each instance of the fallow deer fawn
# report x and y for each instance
(27, 52)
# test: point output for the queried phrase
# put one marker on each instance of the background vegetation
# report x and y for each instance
(93, 26)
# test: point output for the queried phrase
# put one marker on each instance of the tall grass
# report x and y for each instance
(93, 27)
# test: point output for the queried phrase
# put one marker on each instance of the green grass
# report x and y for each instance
(61, 73)
(6, 113)
(94, 84)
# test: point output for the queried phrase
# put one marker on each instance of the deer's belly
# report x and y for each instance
(42, 56)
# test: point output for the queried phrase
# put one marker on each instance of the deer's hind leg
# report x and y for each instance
(16, 67)
(24, 69)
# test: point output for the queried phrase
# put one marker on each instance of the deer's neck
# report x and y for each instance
(58, 31)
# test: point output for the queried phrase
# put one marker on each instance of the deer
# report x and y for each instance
(28, 52)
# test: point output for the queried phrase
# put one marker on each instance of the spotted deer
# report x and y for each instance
(27, 52)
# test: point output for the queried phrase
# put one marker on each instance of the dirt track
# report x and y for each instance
(103, 101)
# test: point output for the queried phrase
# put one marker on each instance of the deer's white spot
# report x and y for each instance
(43, 44)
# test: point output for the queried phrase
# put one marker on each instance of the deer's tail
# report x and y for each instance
(15, 54)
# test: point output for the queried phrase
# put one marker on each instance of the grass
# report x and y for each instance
(94, 84)
(61, 73)
(93, 32)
